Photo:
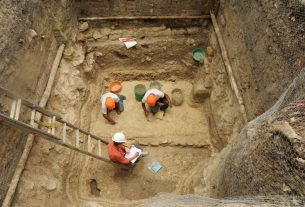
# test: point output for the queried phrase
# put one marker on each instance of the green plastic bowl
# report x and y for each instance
(198, 54)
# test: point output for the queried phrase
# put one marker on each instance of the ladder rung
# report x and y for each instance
(13, 108)
(50, 123)
(89, 143)
(64, 133)
(53, 122)
(33, 117)
(18, 109)
(99, 148)
(77, 138)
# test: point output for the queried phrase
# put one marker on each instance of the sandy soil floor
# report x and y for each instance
(181, 124)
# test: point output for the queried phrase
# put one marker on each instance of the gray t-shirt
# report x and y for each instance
(156, 92)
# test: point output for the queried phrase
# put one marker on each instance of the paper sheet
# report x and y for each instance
(131, 152)
(128, 42)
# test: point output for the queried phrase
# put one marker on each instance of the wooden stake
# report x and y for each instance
(228, 67)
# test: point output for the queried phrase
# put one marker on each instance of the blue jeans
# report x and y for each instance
(121, 102)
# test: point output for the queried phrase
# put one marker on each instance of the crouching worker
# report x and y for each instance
(117, 150)
(156, 101)
(111, 101)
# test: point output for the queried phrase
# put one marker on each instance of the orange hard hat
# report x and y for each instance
(110, 104)
(151, 100)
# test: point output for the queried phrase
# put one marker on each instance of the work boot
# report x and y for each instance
(145, 153)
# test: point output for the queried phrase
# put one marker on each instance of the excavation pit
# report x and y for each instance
(178, 141)
(200, 145)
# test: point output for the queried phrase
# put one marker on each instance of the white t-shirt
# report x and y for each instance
(156, 92)
(115, 97)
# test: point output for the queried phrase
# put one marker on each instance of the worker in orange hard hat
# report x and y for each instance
(111, 101)
(156, 100)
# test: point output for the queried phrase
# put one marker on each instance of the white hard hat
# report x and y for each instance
(119, 137)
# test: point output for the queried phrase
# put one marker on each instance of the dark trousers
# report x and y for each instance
(163, 107)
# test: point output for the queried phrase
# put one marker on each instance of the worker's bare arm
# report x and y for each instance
(106, 116)
(169, 100)
(144, 109)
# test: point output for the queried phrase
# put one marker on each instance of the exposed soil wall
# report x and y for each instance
(28, 44)
(140, 7)
(259, 162)
(263, 46)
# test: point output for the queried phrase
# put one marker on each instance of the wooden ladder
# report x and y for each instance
(69, 136)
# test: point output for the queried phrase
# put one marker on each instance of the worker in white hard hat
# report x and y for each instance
(117, 150)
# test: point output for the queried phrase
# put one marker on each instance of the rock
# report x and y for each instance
(210, 51)
(190, 41)
(81, 37)
(143, 143)
(105, 31)
(21, 41)
(300, 160)
(89, 62)
(148, 59)
(97, 35)
(75, 54)
(160, 28)
(98, 54)
(154, 143)
(199, 91)
(31, 34)
(165, 142)
(292, 120)
(286, 188)
(192, 30)
(83, 26)
(171, 62)
(50, 185)
(179, 32)
(68, 53)
(286, 130)
(208, 82)
(187, 64)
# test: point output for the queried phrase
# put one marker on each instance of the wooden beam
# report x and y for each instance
(228, 67)
(143, 18)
